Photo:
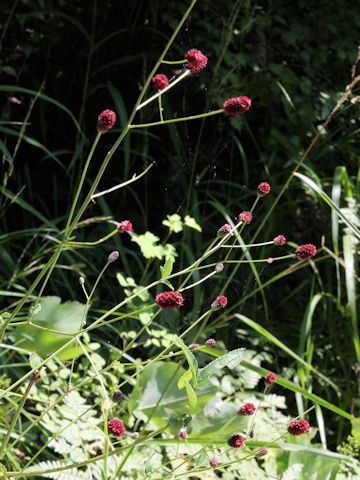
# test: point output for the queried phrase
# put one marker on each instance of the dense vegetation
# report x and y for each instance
(64, 62)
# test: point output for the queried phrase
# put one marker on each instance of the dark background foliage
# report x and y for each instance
(292, 58)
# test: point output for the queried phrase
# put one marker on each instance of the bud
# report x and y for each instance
(219, 267)
(113, 256)
(82, 280)
(117, 396)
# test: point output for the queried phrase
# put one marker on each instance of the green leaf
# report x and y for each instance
(328, 200)
(184, 379)
(191, 395)
(167, 268)
(174, 223)
(52, 326)
(193, 364)
(35, 360)
(231, 360)
(192, 223)
(156, 394)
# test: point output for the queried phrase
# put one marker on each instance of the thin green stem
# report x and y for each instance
(176, 120)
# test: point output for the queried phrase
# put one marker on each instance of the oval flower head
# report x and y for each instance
(298, 427)
(245, 217)
(264, 189)
(106, 121)
(116, 427)
(169, 300)
(160, 81)
(219, 302)
(236, 441)
(306, 251)
(196, 61)
(236, 106)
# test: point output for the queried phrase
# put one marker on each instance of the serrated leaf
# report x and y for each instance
(174, 223)
(184, 379)
(35, 360)
(193, 364)
(191, 395)
(231, 360)
(192, 223)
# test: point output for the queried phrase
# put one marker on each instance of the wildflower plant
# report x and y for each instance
(158, 400)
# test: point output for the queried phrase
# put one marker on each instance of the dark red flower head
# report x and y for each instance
(125, 226)
(116, 427)
(305, 251)
(270, 378)
(196, 61)
(236, 441)
(245, 217)
(280, 240)
(263, 189)
(247, 409)
(168, 300)
(117, 396)
(236, 106)
(225, 230)
(299, 427)
(160, 81)
(106, 121)
(219, 302)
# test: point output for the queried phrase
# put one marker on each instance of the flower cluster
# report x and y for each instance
(263, 189)
(106, 121)
(160, 81)
(196, 61)
(247, 409)
(298, 427)
(219, 302)
(211, 342)
(225, 230)
(237, 106)
(182, 434)
(245, 217)
(125, 226)
(306, 251)
(236, 441)
(169, 300)
(116, 427)
(279, 240)
(270, 378)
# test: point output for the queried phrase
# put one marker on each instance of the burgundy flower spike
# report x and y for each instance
(299, 427)
(306, 251)
(237, 106)
(160, 81)
(196, 61)
(106, 121)
(169, 300)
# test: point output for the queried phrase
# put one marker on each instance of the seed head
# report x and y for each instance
(219, 302)
(280, 240)
(106, 121)
(236, 441)
(116, 427)
(169, 300)
(247, 409)
(211, 342)
(305, 251)
(245, 217)
(263, 189)
(299, 427)
(113, 256)
(270, 378)
(196, 61)
(236, 106)
(160, 81)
